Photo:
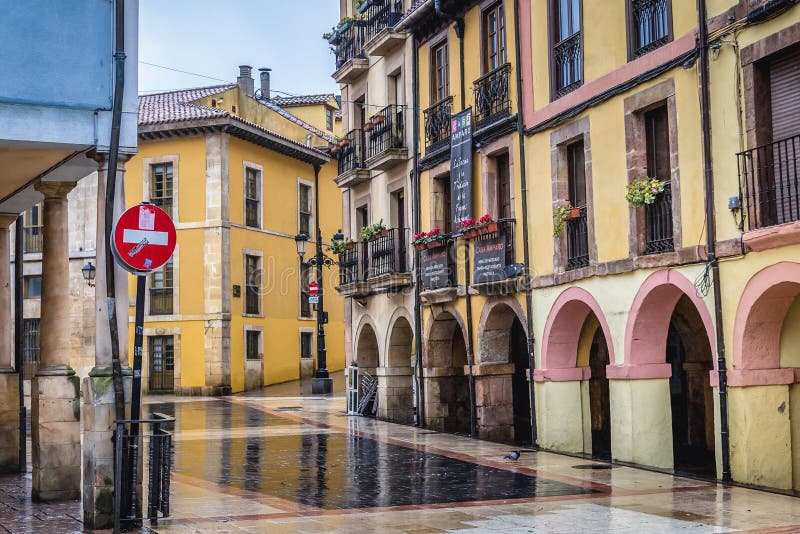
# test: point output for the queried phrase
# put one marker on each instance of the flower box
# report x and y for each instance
(435, 244)
(344, 142)
(368, 127)
(420, 246)
(574, 213)
(489, 228)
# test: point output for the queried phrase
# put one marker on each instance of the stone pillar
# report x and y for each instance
(99, 412)
(9, 380)
(55, 390)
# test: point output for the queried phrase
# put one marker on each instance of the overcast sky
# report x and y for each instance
(213, 38)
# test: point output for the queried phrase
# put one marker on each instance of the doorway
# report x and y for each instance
(519, 385)
(162, 364)
(599, 400)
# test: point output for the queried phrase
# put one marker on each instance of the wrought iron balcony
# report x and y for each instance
(770, 177)
(578, 241)
(437, 124)
(380, 14)
(650, 21)
(32, 239)
(349, 42)
(161, 301)
(388, 134)
(492, 99)
(350, 265)
(351, 156)
(658, 223)
(388, 254)
(505, 229)
(568, 65)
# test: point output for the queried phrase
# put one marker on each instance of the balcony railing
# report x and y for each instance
(350, 270)
(381, 14)
(161, 301)
(32, 239)
(658, 223)
(770, 178)
(387, 134)
(578, 241)
(568, 64)
(351, 156)
(491, 96)
(505, 228)
(389, 254)
(437, 124)
(650, 20)
(349, 42)
(452, 271)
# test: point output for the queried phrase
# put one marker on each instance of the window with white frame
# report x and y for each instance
(252, 194)
(304, 200)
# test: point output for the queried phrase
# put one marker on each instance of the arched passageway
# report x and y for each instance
(395, 389)
(367, 359)
(599, 398)
(447, 406)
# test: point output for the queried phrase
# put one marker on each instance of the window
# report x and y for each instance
(33, 227)
(161, 284)
(161, 186)
(252, 345)
(494, 45)
(252, 297)
(252, 197)
(504, 203)
(329, 118)
(304, 199)
(658, 215)
(440, 82)
(32, 287)
(162, 363)
(305, 279)
(577, 228)
(306, 342)
(648, 25)
(30, 347)
(442, 207)
(567, 52)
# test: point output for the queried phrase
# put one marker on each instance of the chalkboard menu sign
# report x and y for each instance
(434, 268)
(461, 167)
(490, 260)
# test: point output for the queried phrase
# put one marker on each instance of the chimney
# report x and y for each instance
(245, 79)
(265, 83)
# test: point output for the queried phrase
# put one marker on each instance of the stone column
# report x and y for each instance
(9, 380)
(55, 390)
(99, 410)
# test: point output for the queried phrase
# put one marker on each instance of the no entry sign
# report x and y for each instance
(313, 289)
(143, 238)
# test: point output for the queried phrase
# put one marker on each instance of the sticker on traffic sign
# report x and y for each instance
(313, 288)
(313, 299)
(143, 238)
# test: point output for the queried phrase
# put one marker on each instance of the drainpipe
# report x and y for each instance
(473, 423)
(111, 187)
(708, 176)
(417, 222)
(525, 239)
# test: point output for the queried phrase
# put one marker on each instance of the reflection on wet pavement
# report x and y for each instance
(337, 470)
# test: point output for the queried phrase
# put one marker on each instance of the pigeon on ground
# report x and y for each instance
(513, 456)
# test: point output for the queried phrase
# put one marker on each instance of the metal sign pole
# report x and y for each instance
(136, 394)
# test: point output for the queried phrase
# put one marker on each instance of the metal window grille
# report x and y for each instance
(650, 25)
(492, 100)
(162, 363)
(30, 347)
(658, 223)
(161, 186)
(252, 350)
(437, 124)
(252, 198)
(577, 241)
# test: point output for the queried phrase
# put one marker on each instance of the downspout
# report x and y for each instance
(525, 242)
(708, 176)
(111, 188)
(417, 223)
(473, 420)
(18, 360)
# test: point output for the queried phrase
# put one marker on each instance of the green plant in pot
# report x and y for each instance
(644, 191)
(339, 247)
(561, 215)
(373, 231)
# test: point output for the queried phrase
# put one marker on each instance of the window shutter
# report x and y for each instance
(785, 95)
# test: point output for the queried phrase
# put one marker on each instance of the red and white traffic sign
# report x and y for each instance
(313, 289)
(143, 238)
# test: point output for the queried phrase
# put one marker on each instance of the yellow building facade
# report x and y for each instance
(236, 171)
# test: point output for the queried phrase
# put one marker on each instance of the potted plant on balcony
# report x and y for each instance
(644, 190)
(344, 142)
(487, 225)
(436, 239)
(374, 231)
(470, 228)
(419, 241)
(378, 118)
(339, 247)
(368, 127)
(562, 214)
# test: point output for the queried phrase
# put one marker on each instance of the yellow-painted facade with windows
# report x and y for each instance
(230, 311)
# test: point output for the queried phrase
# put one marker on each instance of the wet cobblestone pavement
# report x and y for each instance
(265, 463)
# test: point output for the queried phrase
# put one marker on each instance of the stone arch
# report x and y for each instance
(441, 328)
(648, 325)
(764, 305)
(401, 336)
(494, 329)
(367, 353)
(562, 336)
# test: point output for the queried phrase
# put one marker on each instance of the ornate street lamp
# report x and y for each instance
(89, 271)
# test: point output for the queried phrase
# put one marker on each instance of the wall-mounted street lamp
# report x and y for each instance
(322, 382)
(89, 271)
